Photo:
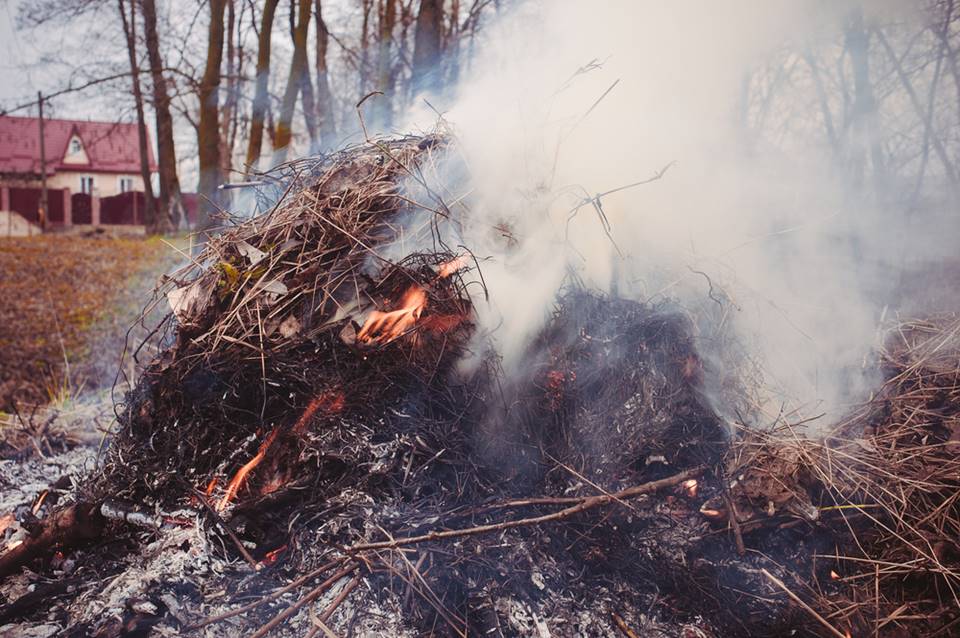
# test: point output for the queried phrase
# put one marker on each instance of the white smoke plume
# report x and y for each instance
(568, 99)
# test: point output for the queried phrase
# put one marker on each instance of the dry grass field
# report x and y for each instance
(66, 303)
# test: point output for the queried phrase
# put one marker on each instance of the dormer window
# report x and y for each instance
(75, 146)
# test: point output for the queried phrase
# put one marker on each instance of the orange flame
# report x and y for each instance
(211, 486)
(241, 476)
(384, 327)
(690, 486)
(447, 268)
(329, 402)
(6, 521)
(271, 557)
(39, 502)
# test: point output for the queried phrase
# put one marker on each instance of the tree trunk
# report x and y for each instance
(230, 97)
(261, 99)
(325, 114)
(427, 46)
(309, 108)
(822, 98)
(171, 205)
(951, 53)
(864, 115)
(154, 226)
(383, 110)
(208, 130)
(298, 68)
(362, 80)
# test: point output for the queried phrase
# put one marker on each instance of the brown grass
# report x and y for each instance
(65, 303)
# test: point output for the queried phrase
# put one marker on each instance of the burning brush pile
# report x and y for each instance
(311, 455)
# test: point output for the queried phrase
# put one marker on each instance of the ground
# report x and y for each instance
(66, 302)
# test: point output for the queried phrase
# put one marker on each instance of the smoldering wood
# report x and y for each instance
(385, 481)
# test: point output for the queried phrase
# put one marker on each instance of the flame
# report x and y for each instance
(238, 479)
(381, 328)
(39, 502)
(6, 521)
(690, 487)
(271, 557)
(834, 575)
(211, 486)
(384, 327)
(329, 402)
(448, 268)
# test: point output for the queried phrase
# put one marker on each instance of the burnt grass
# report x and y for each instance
(482, 499)
(607, 397)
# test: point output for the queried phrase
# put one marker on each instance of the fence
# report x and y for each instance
(26, 202)
(65, 209)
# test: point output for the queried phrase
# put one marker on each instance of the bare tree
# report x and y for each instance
(863, 119)
(428, 43)
(208, 129)
(298, 69)
(382, 106)
(325, 114)
(261, 99)
(152, 222)
(171, 204)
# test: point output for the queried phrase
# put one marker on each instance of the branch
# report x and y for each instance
(584, 504)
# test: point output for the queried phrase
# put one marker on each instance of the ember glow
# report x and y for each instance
(39, 502)
(327, 403)
(272, 556)
(448, 268)
(383, 327)
(690, 488)
(241, 476)
(6, 521)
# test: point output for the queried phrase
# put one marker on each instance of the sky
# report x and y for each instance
(16, 77)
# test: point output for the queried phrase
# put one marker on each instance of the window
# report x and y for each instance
(75, 146)
(86, 184)
(126, 184)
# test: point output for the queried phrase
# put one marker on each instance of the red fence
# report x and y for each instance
(125, 208)
(82, 205)
(26, 201)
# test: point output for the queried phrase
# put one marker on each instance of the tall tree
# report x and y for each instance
(153, 224)
(261, 99)
(363, 75)
(428, 43)
(231, 92)
(863, 118)
(208, 129)
(298, 69)
(171, 203)
(382, 106)
(325, 116)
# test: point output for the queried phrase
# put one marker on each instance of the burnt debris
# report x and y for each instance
(309, 455)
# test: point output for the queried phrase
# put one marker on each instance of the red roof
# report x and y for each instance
(111, 147)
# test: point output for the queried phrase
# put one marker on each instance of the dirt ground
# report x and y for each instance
(66, 303)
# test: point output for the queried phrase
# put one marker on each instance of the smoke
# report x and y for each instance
(565, 100)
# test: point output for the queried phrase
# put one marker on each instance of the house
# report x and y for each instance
(93, 170)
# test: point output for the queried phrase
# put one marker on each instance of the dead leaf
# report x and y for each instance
(289, 327)
(253, 255)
